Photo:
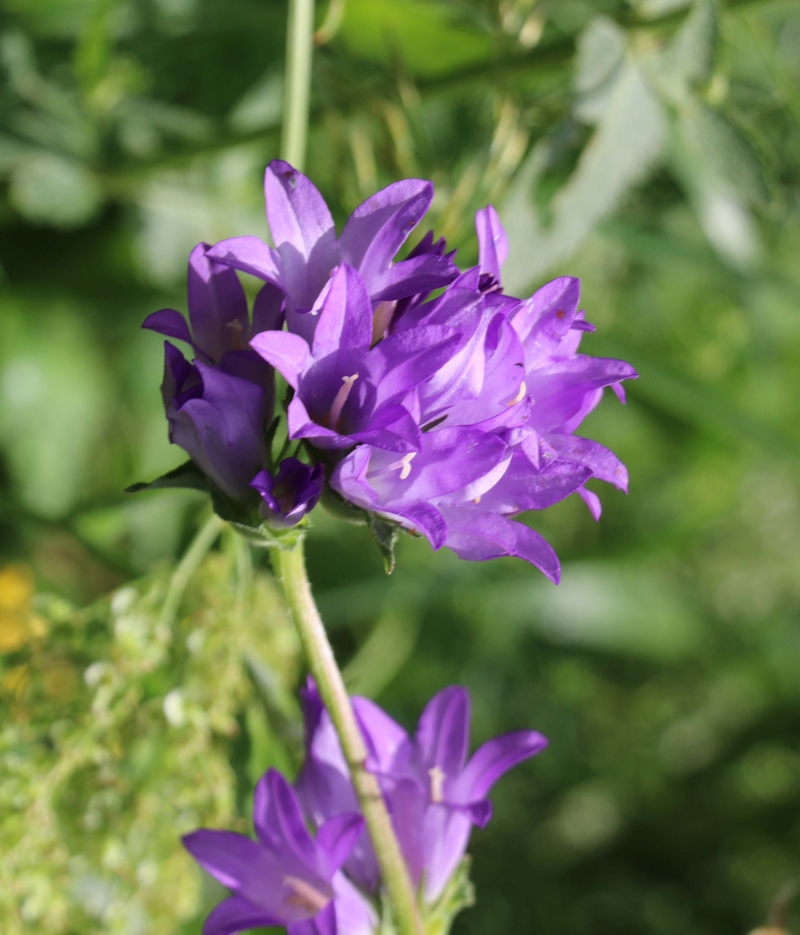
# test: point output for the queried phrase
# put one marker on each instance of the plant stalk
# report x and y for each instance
(297, 81)
(188, 565)
(290, 563)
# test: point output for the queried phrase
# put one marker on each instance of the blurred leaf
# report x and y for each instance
(626, 608)
(262, 106)
(50, 189)
(53, 402)
(423, 35)
(622, 151)
(689, 59)
(600, 55)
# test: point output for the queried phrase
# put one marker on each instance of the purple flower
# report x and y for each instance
(407, 489)
(347, 392)
(516, 377)
(291, 493)
(307, 249)
(217, 418)
(285, 877)
(434, 793)
(217, 406)
(220, 326)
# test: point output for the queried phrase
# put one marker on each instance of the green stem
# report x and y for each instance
(188, 565)
(297, 81)
(290, 563)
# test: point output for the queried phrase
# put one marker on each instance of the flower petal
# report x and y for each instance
(324, 923)
(222, 429)
(403, 360)
(547, 316)
(446, 834)
(443, 731)
(268, 309)
(217, 305)
(231, 858)
(288, 353)
(492, 241)
(592, 501)
(279, 811)
(169, 323)
(478, 536)
(337, 837)
(495, 758)
(236, 914)
(345, 314)
(378, 228)
(391, 427)
(523, 487)
(302, 230)
(603, 464)
(250, 255)
(410, 276)
(382, 734)
(354, 913)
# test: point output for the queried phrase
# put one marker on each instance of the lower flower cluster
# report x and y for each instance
(445, 414)
(328, 883)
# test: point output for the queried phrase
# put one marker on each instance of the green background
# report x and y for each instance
(651, 147)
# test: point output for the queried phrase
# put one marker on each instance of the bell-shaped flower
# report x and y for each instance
(220, 324)
(457, 786)
(435, 794)
(346, 392)
(307, 249)
(565, 386)
(217, 418)
(289, 494)
(285, 877)
(407, 489)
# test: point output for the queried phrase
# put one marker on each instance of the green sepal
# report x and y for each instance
(437, 919)
(271, 537)
(186, 476)
(340, 508)
(244, 517)
(458, 894)
(385, 535)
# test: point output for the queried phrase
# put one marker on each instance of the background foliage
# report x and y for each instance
(651, 147)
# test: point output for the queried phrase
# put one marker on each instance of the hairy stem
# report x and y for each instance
(297, 81)
(291, 566)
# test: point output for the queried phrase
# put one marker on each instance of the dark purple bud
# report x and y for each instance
(291, 493)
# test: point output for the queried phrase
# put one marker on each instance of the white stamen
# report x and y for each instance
(477, 500)
(381, 319)
(438, 777)
(404, 464)
(304, 895)
(523, 389)
(340, 399)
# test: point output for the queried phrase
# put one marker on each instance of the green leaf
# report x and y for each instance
(385, 535)
(49, 189)
(425, 36)
(628, 141)
(186, 475)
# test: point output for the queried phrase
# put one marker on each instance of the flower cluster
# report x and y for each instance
(327, 884)
(447, 416)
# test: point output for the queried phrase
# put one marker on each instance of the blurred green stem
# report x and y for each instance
(189, 564)
(297, 81)
(290, 564)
